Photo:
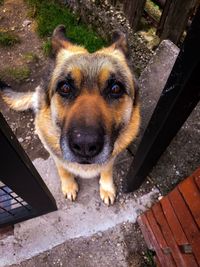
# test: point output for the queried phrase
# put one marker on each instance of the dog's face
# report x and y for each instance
(91, 97)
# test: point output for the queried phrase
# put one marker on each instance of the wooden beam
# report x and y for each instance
(133, 10)
(174, 19)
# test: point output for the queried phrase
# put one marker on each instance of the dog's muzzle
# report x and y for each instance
(85, 145)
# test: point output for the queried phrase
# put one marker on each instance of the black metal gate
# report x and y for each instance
(179, 97)
(23, 194)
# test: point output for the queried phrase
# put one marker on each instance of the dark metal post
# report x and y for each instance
(19, 174)
(179, 97)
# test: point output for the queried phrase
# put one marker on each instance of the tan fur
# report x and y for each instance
(77, 75)
(129, 133)
(104, 75)
(20, 101)
(92, 105)
(68, 183)
(47, 132)
(53, 117)
(107, 187)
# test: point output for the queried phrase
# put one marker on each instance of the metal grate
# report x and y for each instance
(12, 206)
(26, 196)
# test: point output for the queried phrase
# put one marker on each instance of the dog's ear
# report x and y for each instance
(120, 42)
(59, 39)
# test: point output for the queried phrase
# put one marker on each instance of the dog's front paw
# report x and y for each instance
(70, 190)
(108, 194)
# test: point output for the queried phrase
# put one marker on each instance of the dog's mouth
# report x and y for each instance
(84, 162)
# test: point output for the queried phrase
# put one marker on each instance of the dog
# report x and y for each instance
(88, 112)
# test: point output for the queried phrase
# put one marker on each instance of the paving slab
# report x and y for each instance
(152, 81)
(114, 247)
(81, 219)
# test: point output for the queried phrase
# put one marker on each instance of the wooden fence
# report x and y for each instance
(174, 18)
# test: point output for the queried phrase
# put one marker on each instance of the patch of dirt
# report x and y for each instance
(14, 18)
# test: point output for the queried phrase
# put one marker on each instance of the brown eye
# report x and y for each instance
(64, 89)
(116, 91)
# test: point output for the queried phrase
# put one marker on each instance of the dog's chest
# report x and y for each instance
(83, 171)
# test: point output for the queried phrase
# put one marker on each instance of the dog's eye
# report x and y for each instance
(116, 91)
(64, 89)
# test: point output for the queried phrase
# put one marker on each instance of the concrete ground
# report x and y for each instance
(88, 233)
(100, 233)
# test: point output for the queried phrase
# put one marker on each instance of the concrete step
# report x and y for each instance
(120, 246)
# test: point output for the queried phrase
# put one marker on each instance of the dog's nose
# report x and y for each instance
(86, 143)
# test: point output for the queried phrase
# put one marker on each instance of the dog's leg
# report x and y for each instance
(107, 187)
(68, 183)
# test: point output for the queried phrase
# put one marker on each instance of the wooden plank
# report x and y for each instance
(169, 238)
(174, 20)
(156, 230)
(146, 231)
(133, 10)
(158, 264)
(165, 259)
(113, 2)
(163, 17)
(190, 228)
(173, 222)
(160, 3)
(191, 195)
(152, 240)
(177, 230)
(197, 178)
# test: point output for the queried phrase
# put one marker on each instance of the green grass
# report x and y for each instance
(50, 14)
(30, 57)
(15, 73)
(8, 39)
(1, 2)
(149, 258)
(47, 47)
(153, 10)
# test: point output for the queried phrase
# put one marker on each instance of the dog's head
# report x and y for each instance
(92, 98)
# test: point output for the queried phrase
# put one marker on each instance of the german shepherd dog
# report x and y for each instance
(87, 114)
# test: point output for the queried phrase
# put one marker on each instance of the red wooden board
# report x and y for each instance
(155, 239)
(187, 222)
(197, 178)
(173, 222)
(177, 256)
(152, 241)
(177, 230)
(191, 195)
(172, 227)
